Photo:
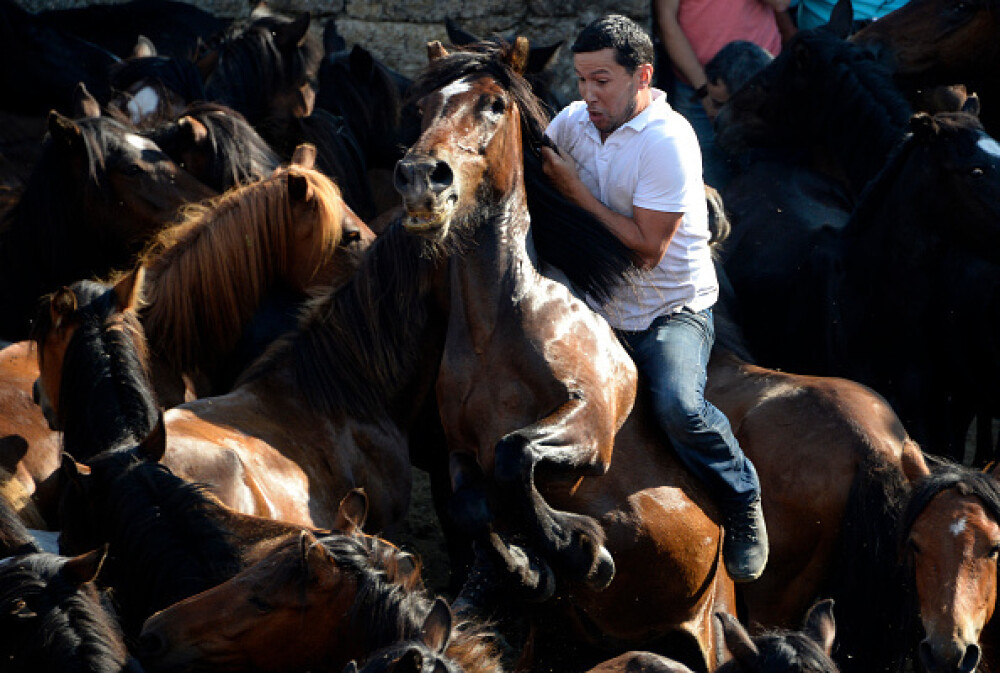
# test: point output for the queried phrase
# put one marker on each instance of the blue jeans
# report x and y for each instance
(717, 166)
(672, 357)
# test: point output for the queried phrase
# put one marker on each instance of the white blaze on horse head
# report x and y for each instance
(957, 527)
(142, 104)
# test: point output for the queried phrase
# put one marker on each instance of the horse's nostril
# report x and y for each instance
(152, 644)
(441, 176)
(970, 659)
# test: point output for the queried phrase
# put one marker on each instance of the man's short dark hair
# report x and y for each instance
(631, 43)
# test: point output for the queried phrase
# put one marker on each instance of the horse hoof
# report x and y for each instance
(603, 570)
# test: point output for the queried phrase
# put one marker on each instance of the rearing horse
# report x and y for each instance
(533, 386)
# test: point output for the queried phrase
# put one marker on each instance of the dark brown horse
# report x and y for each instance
(951, 540)
(98, 193)
(334, 585)
(931, 42)
(533, 387)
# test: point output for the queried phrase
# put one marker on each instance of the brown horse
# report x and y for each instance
(206, 278)
(533, 386)
(834, 462)
(29, 450)
(951, 539)
(336, 586)
(932, 42)
(322, 413)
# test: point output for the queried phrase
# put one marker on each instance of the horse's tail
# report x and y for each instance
(866, 581)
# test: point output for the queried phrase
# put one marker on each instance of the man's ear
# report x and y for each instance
(646, 74)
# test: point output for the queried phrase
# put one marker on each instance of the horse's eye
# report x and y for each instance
(499, 105)
(351, 235)
(994, 551)
(914, 547)
(260, 604)
(132, 170)
(977, 172)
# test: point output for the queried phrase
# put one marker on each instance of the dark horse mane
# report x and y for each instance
(388, 611)
(239, 154)
(167, 538)
(357, 343)
(565, 235)
(783, 650)
(72, 632)
(107, 368)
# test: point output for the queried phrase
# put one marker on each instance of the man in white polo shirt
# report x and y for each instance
(627, 157)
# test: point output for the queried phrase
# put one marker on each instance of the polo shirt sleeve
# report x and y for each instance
(669, 176)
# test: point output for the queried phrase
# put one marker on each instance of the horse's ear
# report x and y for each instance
(144, 48)
(841, 19)
(820, 625)
(314, 556)
(304, 155)
(298, 187)
(128, 288)
(85, 567)
(352, 667)
(361, 62)
(71, 470)
(61, 306)
(540, 58)
(923, 126)
(293, 35)
(517, 57)
(332, 41)
(458, 36)
(435, 50)
(971, 104)
(436, 630)
(192, 130)
(912, 462)
(85, 106)
(154, 445)
(738, 641)
(64, 130)
(407, 569)
(260, 9)
(352, 512)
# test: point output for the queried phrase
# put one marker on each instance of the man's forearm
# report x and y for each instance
(624, 228)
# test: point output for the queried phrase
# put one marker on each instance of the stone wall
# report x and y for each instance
(396, 31)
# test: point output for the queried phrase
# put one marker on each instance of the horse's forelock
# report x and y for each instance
(946, 476)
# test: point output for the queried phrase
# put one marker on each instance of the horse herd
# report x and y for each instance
(216, 430)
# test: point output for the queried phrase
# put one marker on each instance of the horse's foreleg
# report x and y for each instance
(573, 442)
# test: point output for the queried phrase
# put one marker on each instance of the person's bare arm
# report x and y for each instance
(647, 233)
(786, 26)
(681, 52)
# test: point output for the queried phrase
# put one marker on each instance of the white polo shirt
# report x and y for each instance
(653, 161)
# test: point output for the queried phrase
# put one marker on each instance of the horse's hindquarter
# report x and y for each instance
(272, 457)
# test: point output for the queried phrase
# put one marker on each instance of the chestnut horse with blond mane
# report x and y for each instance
(205, 278)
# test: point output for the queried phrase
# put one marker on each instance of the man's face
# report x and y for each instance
(607, 88)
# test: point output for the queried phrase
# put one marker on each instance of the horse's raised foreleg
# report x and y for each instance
(571, 443)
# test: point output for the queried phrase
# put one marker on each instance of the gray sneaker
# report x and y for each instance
(744, 547)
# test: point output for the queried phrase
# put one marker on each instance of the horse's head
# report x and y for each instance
(56, 325)
(470, 144)
(938, 41)
(130, 188)
(51, 618)
(149, 88)
(255, 620)
(805, 651)
(951, 538)
(216, 145)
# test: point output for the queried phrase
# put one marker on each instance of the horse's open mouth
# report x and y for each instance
(425, 221)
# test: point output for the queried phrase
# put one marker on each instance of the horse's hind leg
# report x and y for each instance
(567, 444)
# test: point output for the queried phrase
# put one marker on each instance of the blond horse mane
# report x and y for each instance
(206, 276)
(14, 492)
